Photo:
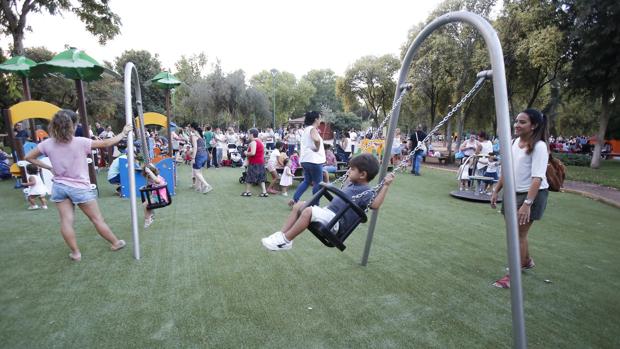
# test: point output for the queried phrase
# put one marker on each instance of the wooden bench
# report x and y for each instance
(441, 159)
(297, 176)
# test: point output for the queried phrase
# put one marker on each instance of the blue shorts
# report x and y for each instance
(61, 192)
(115, 180)
(200, 161)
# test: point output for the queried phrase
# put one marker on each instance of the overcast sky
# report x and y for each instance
(292, 36)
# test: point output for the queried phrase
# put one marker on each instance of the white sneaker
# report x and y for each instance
(285, 194)
(276, 242)
(35, 207)
(207, 189)
(44, 207)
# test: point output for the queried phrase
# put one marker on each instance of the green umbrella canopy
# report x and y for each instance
(165, 80)
(73, 64)
(19, 65)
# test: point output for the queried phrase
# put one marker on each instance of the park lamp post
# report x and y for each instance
(274, 72)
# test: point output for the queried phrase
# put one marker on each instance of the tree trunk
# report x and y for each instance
(459, 127)
(550, 109)
(449, 141)
(18, 44)
(602, 128)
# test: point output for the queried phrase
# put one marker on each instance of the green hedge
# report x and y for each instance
(574, 159)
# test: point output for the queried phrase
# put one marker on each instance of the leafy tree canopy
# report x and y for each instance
(96, 15)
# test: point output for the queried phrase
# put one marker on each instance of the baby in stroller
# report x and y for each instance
(234, 155)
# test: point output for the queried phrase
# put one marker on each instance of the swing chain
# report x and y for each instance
(404, 88)
(374, 190)
(458, 106)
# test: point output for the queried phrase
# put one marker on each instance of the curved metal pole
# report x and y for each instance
(503, 124)
(129, 69)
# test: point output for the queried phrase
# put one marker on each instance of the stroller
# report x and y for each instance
(234, 155)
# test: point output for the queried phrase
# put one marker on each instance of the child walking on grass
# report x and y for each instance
(362, 169)
(151, 173)
(71, 187)
(37, 188)
(287, 177)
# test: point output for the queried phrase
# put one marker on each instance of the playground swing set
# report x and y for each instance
(497, 73)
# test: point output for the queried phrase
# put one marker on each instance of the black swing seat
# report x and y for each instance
(324, 232)
(150, 195)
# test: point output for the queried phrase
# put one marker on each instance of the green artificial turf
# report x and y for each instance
(205, 281)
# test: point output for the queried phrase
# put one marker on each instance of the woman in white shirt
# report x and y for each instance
(530, 155)
(312, 156)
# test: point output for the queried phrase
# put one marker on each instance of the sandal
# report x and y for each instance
(120, 244)
(503, 282)
(75, 258)
(264, 195)
(529, 264)
(246, 193)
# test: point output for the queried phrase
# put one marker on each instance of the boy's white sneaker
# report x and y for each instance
(44, 207)
(35, 207)
(276, 242)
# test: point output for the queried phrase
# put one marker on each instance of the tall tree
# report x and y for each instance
(534, 52)
(370, 79)
(148, 66)
(189, 70)
(96, 15)
(324, 81)
(292, 97)
(593, 29)
(447, 63)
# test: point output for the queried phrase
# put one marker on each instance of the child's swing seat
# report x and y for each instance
(323, 232)
(150, 195)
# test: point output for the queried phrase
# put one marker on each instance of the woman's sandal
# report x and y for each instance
(503, 282)
(246, 193)
(264, 195)
(120, 244)
(75, 258)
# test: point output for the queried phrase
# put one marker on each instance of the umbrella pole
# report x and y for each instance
(86, 129)
(16, 145)
(28, 97)
(169, 118)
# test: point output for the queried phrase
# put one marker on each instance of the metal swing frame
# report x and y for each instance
(504, 132)
(130, 70)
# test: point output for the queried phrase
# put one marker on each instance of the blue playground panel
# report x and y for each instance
(166, 167)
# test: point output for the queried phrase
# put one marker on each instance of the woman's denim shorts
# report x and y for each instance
(61, 192)
(200, 161)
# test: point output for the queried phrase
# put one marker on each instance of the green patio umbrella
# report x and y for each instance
(19, 65)
(76, 65)
(167, 81)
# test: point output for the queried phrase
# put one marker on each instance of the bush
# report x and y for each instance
(574, 159)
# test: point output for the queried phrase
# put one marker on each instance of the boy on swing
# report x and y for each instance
(362, 169)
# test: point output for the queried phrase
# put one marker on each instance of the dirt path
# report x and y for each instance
(610, 196)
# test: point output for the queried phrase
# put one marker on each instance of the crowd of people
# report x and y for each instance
(279, 153)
